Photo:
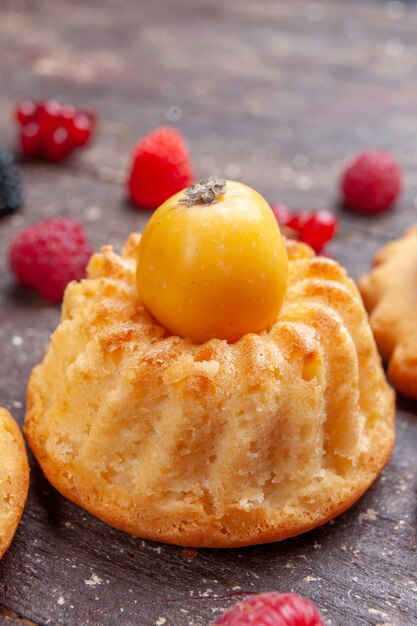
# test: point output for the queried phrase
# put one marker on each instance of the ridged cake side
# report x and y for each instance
(14, 478)
(215, 444)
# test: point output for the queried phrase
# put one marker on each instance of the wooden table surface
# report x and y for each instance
(276, 94)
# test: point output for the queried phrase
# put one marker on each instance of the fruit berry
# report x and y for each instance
(272, 609)
(161, 167)
(283, 214)
(25, 112)
(48, 255)
(10, 184)
(319, 228)
(371, 182)
(51, 131)
(81, 129)
(316, 228)
(30, 140)
(56, 145)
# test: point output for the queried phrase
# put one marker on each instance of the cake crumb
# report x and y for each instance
(189, 553)
(205, 594)
(377, 612)
(370, 514)
(93, 580)
(410, 584)
(93, 213)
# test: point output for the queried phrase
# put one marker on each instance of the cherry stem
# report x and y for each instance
(204, 192)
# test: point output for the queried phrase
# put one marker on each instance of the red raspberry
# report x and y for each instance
(161, 166)
(272, 609)
(319, 228)
(48, 255)
(371, 183)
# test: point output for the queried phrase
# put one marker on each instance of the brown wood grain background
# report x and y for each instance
(278, 95)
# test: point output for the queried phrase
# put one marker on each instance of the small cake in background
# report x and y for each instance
(14, 478)
(389, 292)
(271, 420)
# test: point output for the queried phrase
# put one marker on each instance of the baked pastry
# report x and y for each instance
(14, 478)
(389, 292)
(215, 444)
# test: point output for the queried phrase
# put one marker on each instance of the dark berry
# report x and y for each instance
(272, 609)
(49, 255)
(319, 228)
(10, 184)
(371, 183)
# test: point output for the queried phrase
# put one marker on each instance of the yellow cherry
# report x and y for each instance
(212, 262)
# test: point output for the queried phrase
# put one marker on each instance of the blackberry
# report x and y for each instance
(10, 184)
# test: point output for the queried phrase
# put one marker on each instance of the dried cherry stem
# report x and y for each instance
(204, 192)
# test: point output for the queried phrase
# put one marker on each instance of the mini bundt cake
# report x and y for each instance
(389, 293)
(14, 478)
(211, 444)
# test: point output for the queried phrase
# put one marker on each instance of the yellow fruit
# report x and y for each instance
(212, 262)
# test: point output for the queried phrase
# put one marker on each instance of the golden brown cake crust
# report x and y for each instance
(14, 478)
(389, 292)
(217, 444)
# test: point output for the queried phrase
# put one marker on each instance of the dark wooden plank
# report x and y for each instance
(276, 94)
